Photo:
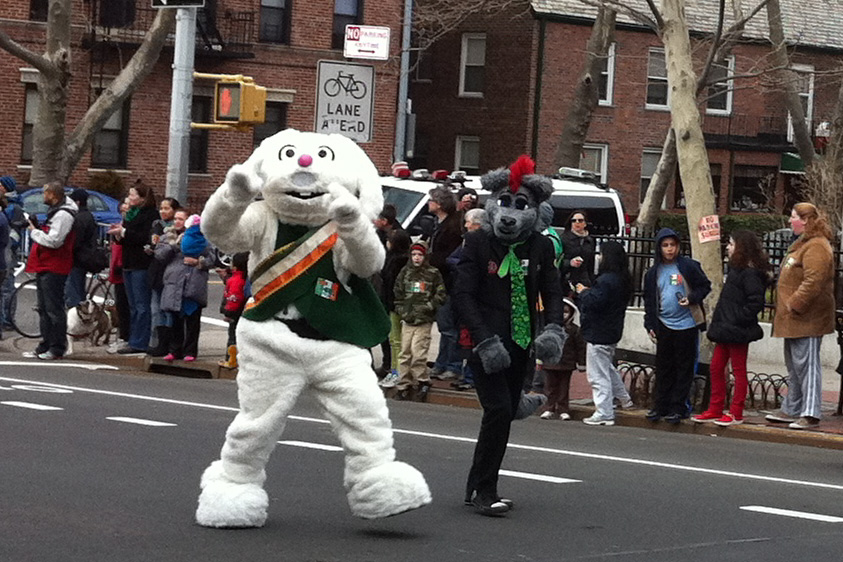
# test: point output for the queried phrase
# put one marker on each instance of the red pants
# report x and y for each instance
(723, 353)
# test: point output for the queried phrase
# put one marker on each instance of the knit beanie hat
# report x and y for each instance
(419, 246)
(8, 183)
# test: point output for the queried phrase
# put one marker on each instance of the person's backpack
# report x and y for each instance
(92, 259)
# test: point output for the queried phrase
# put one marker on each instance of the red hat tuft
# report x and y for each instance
(524, 166)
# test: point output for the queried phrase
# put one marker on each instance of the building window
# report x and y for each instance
(805, 87)
(753, 188)
(468, 155)
(595, 158)
(720, 92)
(30, 114)
(110, 146)
(38, 10)
(200, 112)
(605, 83)
(275, 21)
(649, 162)
(346, 12)
(275, 121)
(658, 94)
(716, 171)
(472, 63)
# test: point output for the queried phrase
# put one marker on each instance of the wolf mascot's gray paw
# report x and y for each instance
(493, 355)
(549, 344)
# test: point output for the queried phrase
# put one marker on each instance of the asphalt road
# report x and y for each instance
(103, 465)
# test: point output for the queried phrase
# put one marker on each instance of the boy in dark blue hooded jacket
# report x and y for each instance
(673, 287)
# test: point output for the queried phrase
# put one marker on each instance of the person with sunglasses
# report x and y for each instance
(578, 248)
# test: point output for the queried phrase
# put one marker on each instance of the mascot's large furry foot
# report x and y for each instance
(388, 489)
(224, 503)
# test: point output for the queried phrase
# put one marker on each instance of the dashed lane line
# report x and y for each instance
(75, 365)
(538, 477)
(140, 421)
(791, 513)
(309, 445)
(30, 405)
(533, 448)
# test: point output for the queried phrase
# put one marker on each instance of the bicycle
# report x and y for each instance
(346, 83)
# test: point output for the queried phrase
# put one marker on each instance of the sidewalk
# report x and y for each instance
(212, 350)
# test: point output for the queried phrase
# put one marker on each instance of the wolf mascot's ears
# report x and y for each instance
(520, 174)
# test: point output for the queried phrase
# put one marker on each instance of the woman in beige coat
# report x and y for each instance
(804, 313)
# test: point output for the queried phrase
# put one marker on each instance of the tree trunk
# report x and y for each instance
(650, 208)
(585, 100)
(690, 144)
(789, 79)
(112, 98)
(48, 129)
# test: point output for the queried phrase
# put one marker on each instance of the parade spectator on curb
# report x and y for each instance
(419, 292)
(135, 235)
(166, 212)
(557, 377)
(5, 256)
(233, 302)
(578, 253)
(85, 243)
(446, 237)
(115, 277)
(51, 259)
(171, 236)
(466, 199)
(17, 224)
(397, 256)
(385, 225)
(387, 222)
(674, 289)
(603, 309)
(185, 291)
(734, 325)
(804, 314)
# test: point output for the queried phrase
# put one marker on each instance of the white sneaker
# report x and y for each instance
(597, 420)
(30, 355)
(548, 415)
(564, 416)
(627, 404)
(390, 380)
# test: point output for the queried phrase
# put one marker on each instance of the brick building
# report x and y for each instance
(500, 86)
(278, 42)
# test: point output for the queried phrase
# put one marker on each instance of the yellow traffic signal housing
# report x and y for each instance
(239, 102)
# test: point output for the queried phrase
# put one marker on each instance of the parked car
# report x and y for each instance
(572, 189)
(104, 208)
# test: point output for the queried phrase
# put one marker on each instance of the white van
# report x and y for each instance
(572, 190)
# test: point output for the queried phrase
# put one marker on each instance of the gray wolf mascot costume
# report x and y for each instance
(309, 324)
(501, 275)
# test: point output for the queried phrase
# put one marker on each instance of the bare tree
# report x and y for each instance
(578, 120)
(55, 153)
(433, 19)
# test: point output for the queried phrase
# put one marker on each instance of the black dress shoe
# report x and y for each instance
(422, 392)
(403, 394)
(506, 501)
(653, 415)
(489, 507)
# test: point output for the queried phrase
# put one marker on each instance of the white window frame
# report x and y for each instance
(730, 71)
(641, 193)
(809, 115)
(458, 164)
(610, 77)
(466, 38)
(603, 148)
(648, 105)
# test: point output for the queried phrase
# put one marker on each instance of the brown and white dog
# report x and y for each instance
(89, 320)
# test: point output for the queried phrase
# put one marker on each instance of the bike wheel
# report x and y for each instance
(332, 87)
(100, 291)
(25, 317)
(358, 90)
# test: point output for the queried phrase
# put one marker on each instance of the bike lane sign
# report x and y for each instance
(345, 99)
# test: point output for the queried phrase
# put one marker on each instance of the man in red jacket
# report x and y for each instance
(51, 259)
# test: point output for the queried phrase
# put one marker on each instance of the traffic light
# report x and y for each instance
(239, 102)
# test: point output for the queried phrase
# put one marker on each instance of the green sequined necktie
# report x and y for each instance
(511, 265)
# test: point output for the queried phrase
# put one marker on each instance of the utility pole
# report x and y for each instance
(180, 104)
(403, 84)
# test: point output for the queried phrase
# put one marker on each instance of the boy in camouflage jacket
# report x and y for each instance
(419, 292)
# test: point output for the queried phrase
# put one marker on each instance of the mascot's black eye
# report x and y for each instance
(287, 151)
(325, 152)
(521, 203)
(505, 201)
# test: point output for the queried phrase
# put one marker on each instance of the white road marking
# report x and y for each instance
(87, 366)
(40, 388)
(140, 421)
(214, 321)
(308, 445)
(533, 448)
(790, 513)
(30, 405)
(538, 477)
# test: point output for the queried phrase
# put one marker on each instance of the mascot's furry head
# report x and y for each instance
(518, 194)
(301, 173)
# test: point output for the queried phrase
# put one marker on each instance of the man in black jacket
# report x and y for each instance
(84, 245)
(500, 277)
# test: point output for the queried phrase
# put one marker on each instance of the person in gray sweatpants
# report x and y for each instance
(603, 307)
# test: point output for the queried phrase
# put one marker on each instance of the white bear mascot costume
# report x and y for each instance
(309, 324)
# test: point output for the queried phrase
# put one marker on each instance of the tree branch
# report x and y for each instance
(16, 49)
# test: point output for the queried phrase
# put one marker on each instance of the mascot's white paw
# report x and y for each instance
(224, 503)
(388, 489)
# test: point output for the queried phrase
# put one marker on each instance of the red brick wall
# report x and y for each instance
(291, 66)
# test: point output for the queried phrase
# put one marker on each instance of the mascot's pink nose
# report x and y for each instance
(305, 160)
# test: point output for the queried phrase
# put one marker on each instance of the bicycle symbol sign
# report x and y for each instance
(344, 99)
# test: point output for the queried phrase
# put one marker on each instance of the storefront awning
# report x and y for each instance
(791, 164)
